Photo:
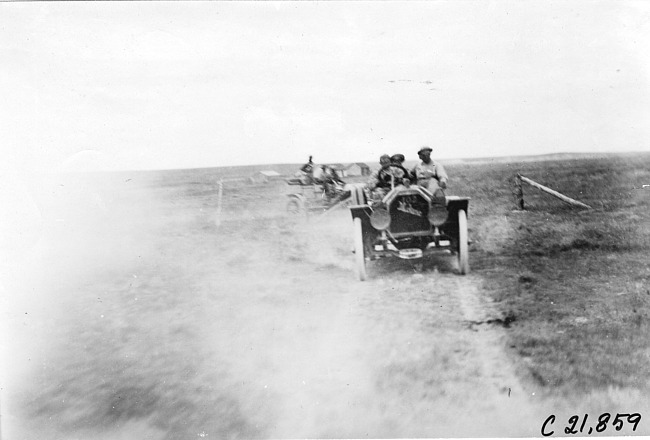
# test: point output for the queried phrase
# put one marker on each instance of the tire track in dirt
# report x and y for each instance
(487, 324)
(438, 375)
(485, 320)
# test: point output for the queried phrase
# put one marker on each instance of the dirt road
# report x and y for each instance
(149, 321)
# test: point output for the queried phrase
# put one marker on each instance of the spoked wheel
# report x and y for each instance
(463, 251)
(294, 207)
(359, 251)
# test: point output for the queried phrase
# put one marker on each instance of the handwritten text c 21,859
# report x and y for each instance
(601, 425)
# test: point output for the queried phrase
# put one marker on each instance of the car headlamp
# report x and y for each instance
(437, 214)
(380, 219)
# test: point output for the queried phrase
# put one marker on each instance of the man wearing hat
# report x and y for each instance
(398, 159)
(308, 167)
(374, 181)
(428, 173)
(382, 180)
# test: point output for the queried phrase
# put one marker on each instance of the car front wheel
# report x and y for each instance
(463, 252)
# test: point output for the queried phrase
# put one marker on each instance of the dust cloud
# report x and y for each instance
(128, 313)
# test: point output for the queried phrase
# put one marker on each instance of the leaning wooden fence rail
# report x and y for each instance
(518, 193)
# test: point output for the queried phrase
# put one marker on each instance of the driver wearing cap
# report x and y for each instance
(390, 174)
(429, 174)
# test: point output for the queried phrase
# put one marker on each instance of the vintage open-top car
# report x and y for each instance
(408, 222)
(314, 196)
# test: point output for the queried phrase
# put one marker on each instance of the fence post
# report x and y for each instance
(518, 193)
(217, 220)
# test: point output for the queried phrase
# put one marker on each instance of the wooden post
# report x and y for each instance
(518, 193)
(553, 193)
(217, 220)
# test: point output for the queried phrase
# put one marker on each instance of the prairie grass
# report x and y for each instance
(576, 280)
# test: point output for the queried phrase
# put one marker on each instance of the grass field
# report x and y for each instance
(128, 312)
(575, 280)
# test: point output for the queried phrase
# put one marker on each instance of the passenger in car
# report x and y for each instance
(374, 181)
(330, 180)
(430, 174)
(398, 159)
(306, 173)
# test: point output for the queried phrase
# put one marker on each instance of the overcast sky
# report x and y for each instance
(148, 85)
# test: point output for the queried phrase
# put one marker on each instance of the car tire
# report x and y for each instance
(463, 248)
(294, 207)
